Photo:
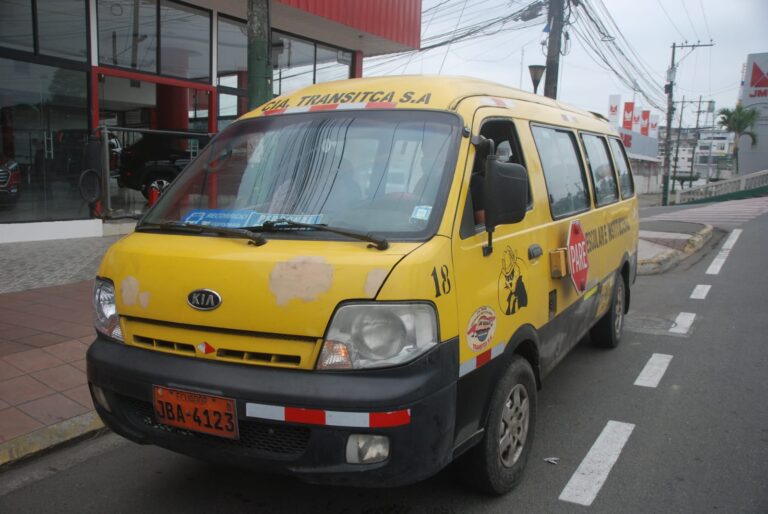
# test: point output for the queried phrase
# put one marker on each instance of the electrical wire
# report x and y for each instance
(688, 15)
(670, 20)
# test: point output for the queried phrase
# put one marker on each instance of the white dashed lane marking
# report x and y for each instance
(683, 323)
(700, 292)
(719, 260)
(593, 471)
(654, 370)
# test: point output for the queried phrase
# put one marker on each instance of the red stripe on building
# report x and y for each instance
(308, 416)
(396, 20)
(483, 358)
(328, 107)
(390, 419)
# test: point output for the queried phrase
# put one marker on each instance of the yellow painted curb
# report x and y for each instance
(28, 444)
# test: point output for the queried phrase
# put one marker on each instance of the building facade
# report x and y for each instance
(68, 67)
(754, 94)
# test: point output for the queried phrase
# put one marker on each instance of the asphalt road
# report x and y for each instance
(697, 442)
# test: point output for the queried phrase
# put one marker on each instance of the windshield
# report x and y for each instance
(384, 172)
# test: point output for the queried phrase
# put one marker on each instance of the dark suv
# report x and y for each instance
(10, 181)
(156, 159)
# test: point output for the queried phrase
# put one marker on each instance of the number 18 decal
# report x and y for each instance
(442, 281)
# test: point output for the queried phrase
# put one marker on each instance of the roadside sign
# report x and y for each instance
(578, 258)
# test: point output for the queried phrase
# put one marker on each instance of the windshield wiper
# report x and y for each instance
(178, 226)
(376, 242)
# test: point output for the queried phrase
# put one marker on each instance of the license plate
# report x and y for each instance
(194, 411)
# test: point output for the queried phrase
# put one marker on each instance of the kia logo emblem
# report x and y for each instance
(204, 299)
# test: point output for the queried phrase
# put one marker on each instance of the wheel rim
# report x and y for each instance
(159, 184)
(618, 318)
(514, 426)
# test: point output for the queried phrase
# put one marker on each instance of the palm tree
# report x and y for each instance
(739, 121)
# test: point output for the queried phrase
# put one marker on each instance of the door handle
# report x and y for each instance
(534, 252)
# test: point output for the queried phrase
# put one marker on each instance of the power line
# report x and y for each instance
(448, 49)
(670, 20)
(688, 15)
(704, 15)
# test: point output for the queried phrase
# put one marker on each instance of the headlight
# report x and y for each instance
(106, 319)
(375, 335)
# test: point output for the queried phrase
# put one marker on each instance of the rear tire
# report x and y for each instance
(607, 332)
(495, 465)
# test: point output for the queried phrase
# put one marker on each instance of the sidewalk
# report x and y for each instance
(46, 327)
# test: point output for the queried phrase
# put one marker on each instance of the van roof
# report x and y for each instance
(404, 91)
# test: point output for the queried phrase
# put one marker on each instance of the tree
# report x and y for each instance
(739, 121)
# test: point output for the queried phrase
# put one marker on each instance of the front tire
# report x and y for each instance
(607, 331)
(495, 465)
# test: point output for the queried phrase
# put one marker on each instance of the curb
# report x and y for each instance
(665, 260)
(49, 437)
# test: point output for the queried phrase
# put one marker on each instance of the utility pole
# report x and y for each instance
(259, 53)
(696, 141)
(677, 144)
(555, 15)
(669, 89)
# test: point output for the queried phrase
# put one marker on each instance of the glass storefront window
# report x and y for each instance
(61, 26)
(16, 24)
(232, 53)
(293, 61)
(43, 127)
(128, 34)
(332, 64)
(185, 41)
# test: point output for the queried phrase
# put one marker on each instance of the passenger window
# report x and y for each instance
(603, 176)
(562, 171)
(507, 147)
(625, 175)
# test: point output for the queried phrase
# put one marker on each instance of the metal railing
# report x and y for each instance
(734, 185)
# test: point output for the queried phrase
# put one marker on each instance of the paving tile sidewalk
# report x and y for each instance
(44, 334)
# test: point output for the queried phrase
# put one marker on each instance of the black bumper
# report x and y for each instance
(314, 453)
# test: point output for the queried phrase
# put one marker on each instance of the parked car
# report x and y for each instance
(10, 181)
(156, 159)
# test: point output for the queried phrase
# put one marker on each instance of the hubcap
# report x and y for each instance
(160, 184)
(619, 308)
(514, 426)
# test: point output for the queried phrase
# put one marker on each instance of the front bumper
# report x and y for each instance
(313, 452)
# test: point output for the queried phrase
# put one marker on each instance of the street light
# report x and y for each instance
(537, 71)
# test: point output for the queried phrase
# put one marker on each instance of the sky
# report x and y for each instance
(736, 27)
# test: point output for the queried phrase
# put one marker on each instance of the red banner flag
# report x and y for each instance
(629, 108)
(645, 120)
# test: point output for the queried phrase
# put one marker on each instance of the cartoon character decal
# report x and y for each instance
(512, 293)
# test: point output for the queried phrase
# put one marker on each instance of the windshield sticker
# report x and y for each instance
(482, 326)
(243, 218)
(221, 217)
(421, 212)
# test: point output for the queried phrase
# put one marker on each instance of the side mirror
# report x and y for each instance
(506, 195)
(506, 192)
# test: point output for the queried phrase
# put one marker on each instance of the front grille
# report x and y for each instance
(256, 435)
(255, 357)
(164, 345)
(5, 176)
